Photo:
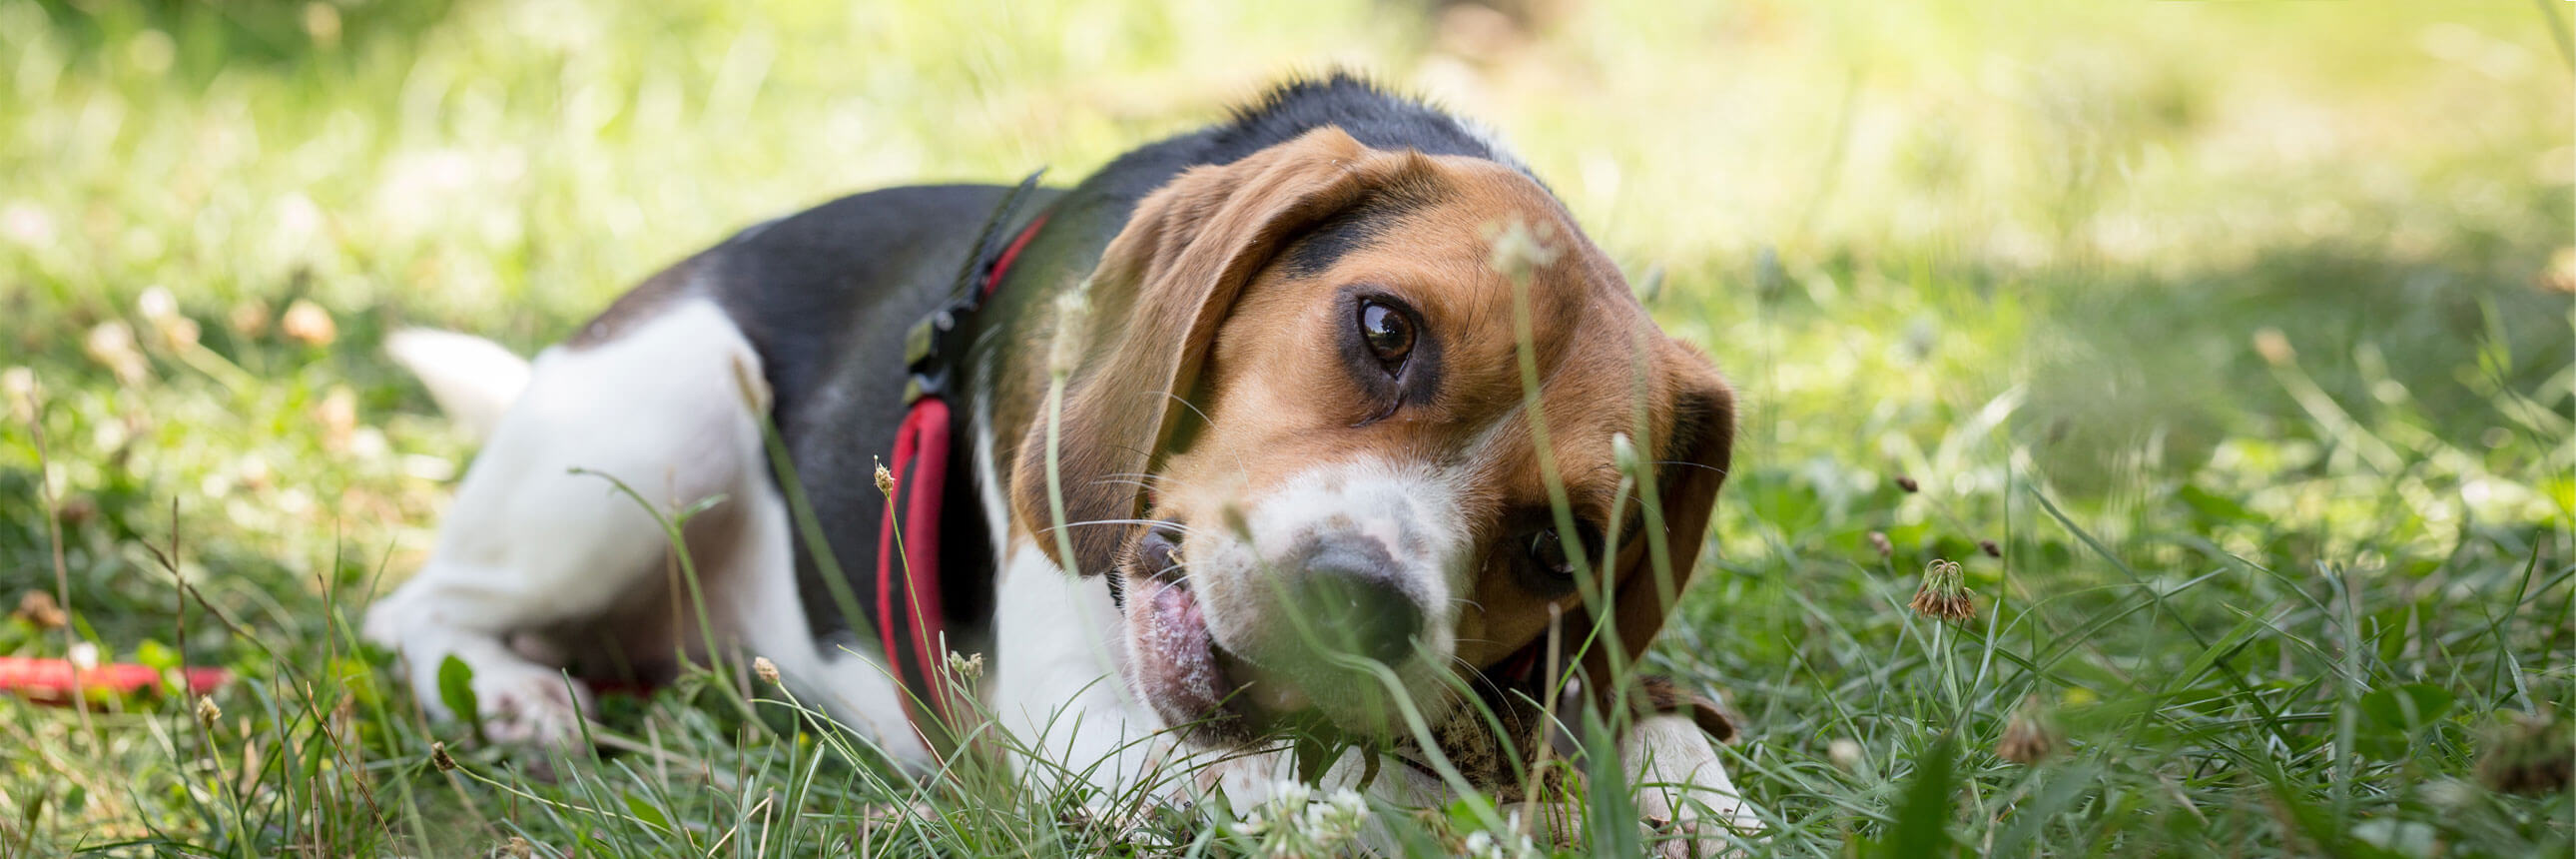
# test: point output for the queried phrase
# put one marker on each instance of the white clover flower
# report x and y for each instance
(1485, 845)
(1294, 822)
(1844, 753)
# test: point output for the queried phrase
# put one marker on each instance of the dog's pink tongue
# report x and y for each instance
(1178, 664)
(1176, 612)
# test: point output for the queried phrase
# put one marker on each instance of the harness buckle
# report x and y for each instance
(922, 358)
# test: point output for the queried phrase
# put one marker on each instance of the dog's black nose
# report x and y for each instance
(1348, 598)
(1159, 550)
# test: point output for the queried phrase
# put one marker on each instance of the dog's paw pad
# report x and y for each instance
(1716, 830)
(531, 708)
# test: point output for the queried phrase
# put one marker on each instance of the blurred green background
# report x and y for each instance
(2202, 311)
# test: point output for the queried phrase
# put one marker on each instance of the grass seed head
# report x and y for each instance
(968, 667)
(1944, 594)
(207, 713)
(885, 481)
(1907, 483)
(1520, 251)
(1623, 455)
(438, 758)
(764, 669)
(1878, 540)
(1072, 321)
(1989, 547)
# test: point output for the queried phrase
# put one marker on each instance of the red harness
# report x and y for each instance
(908, 546)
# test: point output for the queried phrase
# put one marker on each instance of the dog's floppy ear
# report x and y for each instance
(1690, 460)
(1162, 289)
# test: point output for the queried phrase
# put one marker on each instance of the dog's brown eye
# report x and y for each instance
(1547, 553)
(1388, 333)
(1547, 550)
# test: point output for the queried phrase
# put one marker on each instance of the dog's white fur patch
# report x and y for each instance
(1059, 684)
(1409, 510)
(529, 546)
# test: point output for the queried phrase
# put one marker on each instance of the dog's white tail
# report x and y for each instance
(474, 380)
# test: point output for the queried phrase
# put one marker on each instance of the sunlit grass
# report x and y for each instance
(2241, 330)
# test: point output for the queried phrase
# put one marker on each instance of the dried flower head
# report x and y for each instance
(2274, 346)
(438, 758)
(309, 324)
(1989, 547)
(1907, 483)
(968, 667)
(248, 318)
(207, 713)
(2029, 735)
(338, 416)
(111, 344)
(1944, 594)
(885, 480)
(160, 310)
(2528, 755)
(39, 610)
(156, 304)
(2560, 276)
(1878, 540)
(18, 384)
(764, 669)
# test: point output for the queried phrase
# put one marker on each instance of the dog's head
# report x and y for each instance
(1299, 438)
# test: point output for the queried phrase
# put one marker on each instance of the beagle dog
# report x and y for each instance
(1255, 440)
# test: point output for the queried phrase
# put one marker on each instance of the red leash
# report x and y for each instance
(920, 469)
(52, 679)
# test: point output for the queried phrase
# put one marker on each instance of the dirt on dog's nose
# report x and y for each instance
(1346, 597)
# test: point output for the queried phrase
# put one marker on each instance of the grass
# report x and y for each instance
(2241, 330)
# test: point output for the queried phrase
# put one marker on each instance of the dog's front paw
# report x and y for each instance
(530, 706)
(1688, 802)
(1701, 828)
